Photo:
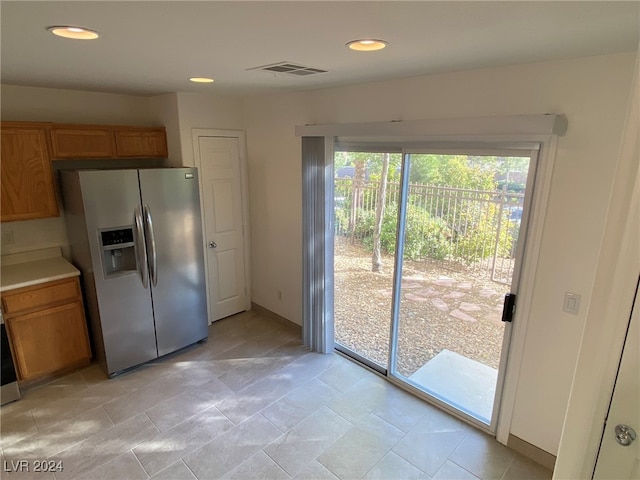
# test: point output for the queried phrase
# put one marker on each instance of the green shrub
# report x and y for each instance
(341, 221)
(466, 234)
(425, 237)
(365, 222)
(478, 240)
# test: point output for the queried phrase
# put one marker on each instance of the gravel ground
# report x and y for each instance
(440, 309)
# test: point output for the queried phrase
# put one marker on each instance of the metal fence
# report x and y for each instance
(467, 230)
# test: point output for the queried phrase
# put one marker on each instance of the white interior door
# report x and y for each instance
(619, 456)
(219, 162)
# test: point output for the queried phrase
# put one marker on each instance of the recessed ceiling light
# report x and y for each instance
(201, 79)
(367, 45)
(75, 33)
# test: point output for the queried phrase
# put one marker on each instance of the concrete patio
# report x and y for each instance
(463, 383)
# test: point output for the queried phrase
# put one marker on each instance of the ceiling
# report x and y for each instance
(151, 47)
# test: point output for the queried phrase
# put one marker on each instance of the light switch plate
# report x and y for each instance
(571, 303)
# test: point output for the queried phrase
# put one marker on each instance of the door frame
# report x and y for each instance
(608, 453)
(541, 151)
(244, 186)
(509, 130)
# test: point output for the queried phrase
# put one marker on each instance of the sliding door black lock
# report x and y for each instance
(509, 307)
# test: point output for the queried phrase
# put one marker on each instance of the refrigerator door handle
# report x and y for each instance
(151, 246)
(141, 249)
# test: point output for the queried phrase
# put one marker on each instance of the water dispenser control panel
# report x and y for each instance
(118, 251)
(117, 237)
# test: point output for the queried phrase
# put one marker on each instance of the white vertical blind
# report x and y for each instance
(317, 225)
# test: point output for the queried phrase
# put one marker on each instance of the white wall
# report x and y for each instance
(196, 110)
(165, 110)
(613, 293)
(591, 92)
(35, 235)
(275, 190)
(73, 106)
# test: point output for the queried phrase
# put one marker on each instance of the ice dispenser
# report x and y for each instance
(118, 251)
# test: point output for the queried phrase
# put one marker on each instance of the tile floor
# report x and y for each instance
(249, 403)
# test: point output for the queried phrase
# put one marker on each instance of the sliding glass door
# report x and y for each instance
(453, 227)
(365, 217)
(459, 231)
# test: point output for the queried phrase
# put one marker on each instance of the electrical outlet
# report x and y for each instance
(7, 237)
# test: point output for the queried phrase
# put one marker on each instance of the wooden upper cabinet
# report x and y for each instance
(81, 142)
(106, 141)
(28, 190)
(141, 142)
(28, 187)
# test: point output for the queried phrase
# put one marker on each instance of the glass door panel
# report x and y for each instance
(460, 228)
(366, 193)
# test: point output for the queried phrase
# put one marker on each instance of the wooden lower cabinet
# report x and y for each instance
(50, 337)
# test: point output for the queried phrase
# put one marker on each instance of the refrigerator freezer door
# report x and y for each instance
(171, 201)
(110, 199)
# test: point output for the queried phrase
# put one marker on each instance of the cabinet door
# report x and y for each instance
(82, 142)
(49, 340)
(141, 142)
(28, 190)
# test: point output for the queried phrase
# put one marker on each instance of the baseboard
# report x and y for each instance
(536, 454)
(284, 321)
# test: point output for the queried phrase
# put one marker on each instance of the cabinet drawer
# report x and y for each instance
(40, 295)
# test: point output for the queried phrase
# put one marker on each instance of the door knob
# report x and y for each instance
(625, 435)
(213, 244)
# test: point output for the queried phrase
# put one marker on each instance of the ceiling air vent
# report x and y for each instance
(288, 68)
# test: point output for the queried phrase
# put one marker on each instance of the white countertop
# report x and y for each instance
(32, 268)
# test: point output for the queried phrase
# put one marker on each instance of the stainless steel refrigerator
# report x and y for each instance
(136, 236)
